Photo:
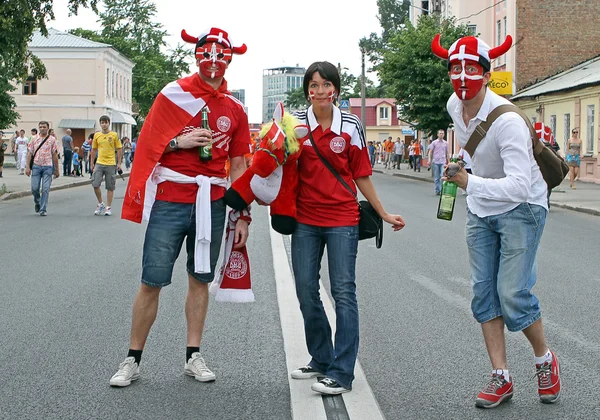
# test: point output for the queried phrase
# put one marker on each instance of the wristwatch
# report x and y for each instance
(173, 144)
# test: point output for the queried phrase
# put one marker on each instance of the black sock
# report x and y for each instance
(136, 354)
(190, 351)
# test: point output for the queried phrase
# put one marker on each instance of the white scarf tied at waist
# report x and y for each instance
(203, 211)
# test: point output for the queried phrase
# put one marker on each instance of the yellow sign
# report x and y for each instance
(501, 82)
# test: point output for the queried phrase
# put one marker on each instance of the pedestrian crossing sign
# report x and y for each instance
(344, 104)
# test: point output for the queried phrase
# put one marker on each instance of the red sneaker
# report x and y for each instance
(495, 392)
(548, 375)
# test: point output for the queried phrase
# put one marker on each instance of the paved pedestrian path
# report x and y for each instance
(585, 198)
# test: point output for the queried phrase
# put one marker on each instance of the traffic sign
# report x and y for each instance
(344, 104)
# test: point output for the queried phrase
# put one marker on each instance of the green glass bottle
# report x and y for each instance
(205, 152)
(447, 200)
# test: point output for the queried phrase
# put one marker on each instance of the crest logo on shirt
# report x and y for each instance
(223, 124)
(337, 144)
(237, 267)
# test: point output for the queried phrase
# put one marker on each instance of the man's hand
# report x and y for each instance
(28, 171)
(241, 233)
(196, 138)
(461, 178)
(56, 173)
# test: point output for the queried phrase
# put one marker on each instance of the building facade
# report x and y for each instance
(569, 100)
(381, 119)
(277, 82)
(86, 80)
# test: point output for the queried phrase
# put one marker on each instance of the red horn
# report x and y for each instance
(501, 49)
(239, 50)
(437, 48)
(188, 38)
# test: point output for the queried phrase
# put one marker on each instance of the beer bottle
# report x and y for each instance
(448, 195)
(205, 152)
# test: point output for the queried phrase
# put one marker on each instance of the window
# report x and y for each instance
(553, 125)
(472, 29)
(384, 113)
(567, 130)
(425, 5)
(30, 86)
(504, 37)
(107, 82)
(498, 33)
(591, 109)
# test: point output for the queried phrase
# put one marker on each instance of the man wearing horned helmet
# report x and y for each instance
(181, 195)
(506, 212)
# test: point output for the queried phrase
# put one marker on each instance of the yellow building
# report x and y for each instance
(568, 100)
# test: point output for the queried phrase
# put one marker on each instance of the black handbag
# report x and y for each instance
(370, 224)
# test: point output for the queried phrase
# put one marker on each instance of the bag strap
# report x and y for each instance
(484, 126)
(41, 144)
(328, 165)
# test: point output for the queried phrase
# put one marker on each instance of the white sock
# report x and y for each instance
(504, 373)
(543, 359)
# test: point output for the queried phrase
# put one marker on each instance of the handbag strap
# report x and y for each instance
(328, 165)
(484, 126)
(39, 147)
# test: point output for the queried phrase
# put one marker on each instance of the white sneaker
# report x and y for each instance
(108, 212)
(100, 209)
(128, 371)
(196, 367)
(305, 372)
(328, 386)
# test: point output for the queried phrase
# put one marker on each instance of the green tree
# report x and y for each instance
(295, 99)
(18, 20)
(416, 78)
(392, 17)
(129, 26)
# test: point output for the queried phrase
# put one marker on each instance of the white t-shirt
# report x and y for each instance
(21, 144)
(505, 173)
(399, 148)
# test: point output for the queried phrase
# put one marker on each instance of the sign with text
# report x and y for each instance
(501, 82)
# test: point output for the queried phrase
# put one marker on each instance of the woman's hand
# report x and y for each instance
(395, 220)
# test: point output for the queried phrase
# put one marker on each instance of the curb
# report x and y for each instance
(552, 203)
(20, 194)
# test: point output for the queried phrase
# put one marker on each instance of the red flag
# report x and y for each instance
(276, 135)
(544, 132)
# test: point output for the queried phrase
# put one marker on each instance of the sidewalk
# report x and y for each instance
(585, 199)
(13, 185)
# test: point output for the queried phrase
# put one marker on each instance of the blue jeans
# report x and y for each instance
(417, 163)
(67, 162)
(308, 245)
(438, 169)
(169, 224)
(502, 256)
(41, 175)
(127, 159)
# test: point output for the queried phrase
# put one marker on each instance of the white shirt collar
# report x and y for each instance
(336, 123)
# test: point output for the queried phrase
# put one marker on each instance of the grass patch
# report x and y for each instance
(3, 190)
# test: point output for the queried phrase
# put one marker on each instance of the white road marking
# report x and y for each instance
(306, 404)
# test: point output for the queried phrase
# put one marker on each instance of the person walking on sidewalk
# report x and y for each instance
(506, 213)
(44, 149)
(328, 217)
(3, 147)
(108, 147)
(573, 156)
(21, 148)
(87, 151)
(398, 152)
(76, 162)
(127, 151)
(188, 202)
(67, 145)
(417, 155)
(438, 158)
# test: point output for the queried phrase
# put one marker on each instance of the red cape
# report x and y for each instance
(174, 107)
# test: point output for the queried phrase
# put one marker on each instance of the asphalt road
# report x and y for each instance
(68, 281)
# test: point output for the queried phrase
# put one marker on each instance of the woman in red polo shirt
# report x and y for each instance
(328, 216)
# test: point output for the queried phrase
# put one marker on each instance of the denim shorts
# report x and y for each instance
(169, 224)
(502, 256)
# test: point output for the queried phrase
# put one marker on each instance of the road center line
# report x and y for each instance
(306, 404)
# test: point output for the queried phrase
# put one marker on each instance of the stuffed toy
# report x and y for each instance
(272, 177)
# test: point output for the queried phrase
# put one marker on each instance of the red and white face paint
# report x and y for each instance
(467, 78)
(213, 60)
(312, 95)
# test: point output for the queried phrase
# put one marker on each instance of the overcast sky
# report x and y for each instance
(277, 33)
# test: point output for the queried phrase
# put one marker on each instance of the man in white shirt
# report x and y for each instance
(506, 213)
(399, 152)
(21, 143)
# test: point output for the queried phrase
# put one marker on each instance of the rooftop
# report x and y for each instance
(58, 39)
(370, 102)
(584, 74)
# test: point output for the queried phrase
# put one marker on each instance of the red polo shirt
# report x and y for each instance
(322, 199)
(231, 138)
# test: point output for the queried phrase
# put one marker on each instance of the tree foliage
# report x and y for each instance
(416, 78)
(392, 17)
(18, 21)
(129, 26)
